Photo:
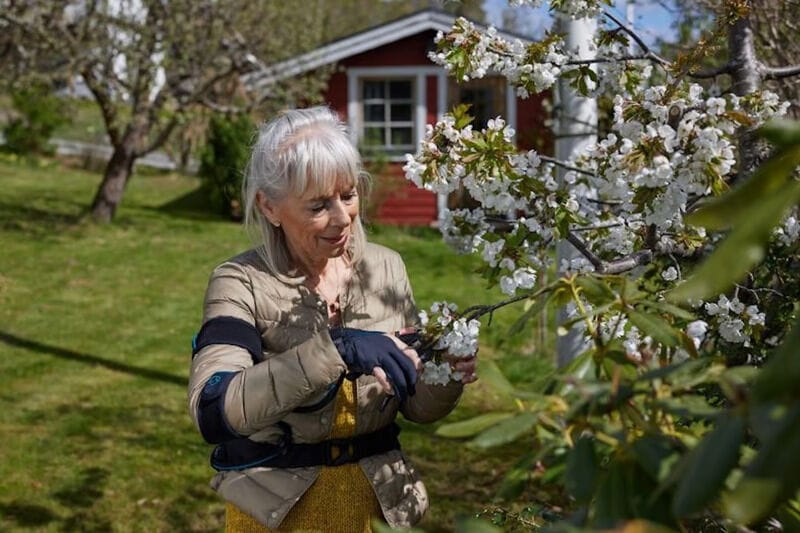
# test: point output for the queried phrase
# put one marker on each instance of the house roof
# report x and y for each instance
(358, 43)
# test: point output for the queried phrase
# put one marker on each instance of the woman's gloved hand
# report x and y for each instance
(381, 355)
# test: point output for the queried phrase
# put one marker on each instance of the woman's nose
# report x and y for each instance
(339, 214)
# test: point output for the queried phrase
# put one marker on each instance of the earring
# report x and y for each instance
(276, 224)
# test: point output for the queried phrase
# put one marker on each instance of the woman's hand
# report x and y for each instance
(465, 365)
(408, 351)
(382, 355)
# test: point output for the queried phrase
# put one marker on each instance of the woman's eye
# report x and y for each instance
(317, 208)
(348, 197)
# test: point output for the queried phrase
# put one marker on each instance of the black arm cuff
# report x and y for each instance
(229, 330)
(211, 409)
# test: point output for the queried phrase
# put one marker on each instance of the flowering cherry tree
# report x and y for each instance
(665, 376)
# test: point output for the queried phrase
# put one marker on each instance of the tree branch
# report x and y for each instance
(225, 109)
(579, 245)
(103, 100)
(563, 165)
(476, 311)
(161, 137)
(727, 68)
(649, 54)
(641, 57)
(778, 73)
(618, 266)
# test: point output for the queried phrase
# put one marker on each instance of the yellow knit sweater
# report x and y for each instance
(341, 500)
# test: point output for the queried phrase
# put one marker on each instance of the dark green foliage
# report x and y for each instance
(223, 161)
(39, 113)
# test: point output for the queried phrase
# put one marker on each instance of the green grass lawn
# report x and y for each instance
(95, 325)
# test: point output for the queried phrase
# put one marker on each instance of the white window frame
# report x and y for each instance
(355, 105)
(387, 102)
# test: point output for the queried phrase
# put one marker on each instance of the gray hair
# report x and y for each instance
(299, 150)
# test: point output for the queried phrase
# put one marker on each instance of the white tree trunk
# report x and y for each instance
(577, 129)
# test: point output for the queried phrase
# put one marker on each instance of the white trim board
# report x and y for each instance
(356, 44)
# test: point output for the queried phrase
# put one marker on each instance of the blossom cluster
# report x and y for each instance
(470, 53)
(735, 322)
(664, 152)
(455, 337)
(573, 8)
(668, 146)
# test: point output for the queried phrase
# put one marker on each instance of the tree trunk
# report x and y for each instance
(746, 78)
(118, 171)
(577, 130)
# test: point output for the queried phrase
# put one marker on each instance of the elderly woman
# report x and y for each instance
(298, 373)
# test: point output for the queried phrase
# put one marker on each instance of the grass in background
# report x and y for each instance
(95, 323)
(85, 122)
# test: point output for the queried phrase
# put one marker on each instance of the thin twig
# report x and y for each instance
(476, 311)
(649, 54)
(598, 226)
(594, 60)
(561, 164)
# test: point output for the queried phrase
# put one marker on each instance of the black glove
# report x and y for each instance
(414, 340)
(362, 351)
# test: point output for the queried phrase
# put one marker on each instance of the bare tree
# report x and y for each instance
(150, 62)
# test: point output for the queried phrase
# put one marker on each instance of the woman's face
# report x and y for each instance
(318, 226)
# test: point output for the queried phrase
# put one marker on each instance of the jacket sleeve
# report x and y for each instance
(431, 402)
(259, 395)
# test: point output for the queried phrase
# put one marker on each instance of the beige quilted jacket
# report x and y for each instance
(300, 362)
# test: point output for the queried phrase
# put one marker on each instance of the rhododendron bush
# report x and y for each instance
(681, 407)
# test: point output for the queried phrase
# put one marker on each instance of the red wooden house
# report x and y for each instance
(388, 90)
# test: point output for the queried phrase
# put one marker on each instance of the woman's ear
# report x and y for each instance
(267, 208)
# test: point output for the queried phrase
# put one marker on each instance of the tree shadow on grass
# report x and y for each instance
(26, 515)
(193, 205)
(80, 496)
(85, 490)
(38, 347)
(37, 222)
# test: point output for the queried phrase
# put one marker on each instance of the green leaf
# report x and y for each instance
(666, 307)
(579, 368)
(618, 361)
(532, 311)
(579, 478)
(518, 476)
(741, 250)
(773, 475)
(719, 213)
(781, 375)
(707, 466)
(655, 326)
(688, 405)
(654, 454)
(781, 132)
(473, 426)
(752, 499)
(506, 431)
(678, 372)
(491, 374)
(613, 496)
(789, 516)
(596, 290)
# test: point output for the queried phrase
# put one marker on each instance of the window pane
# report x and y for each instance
(401, 136)
(401, 112)
(374, 113)
(400, 89)
(373, 89)
(373, 137)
